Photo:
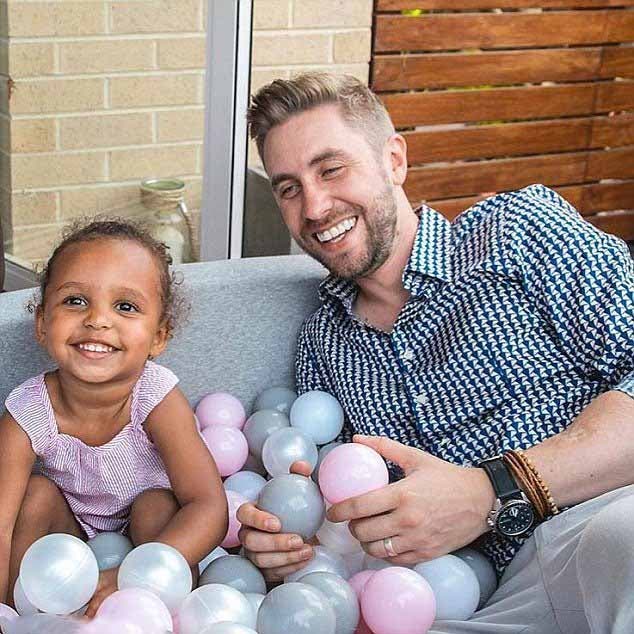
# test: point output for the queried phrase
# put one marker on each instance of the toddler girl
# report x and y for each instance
(116, 441)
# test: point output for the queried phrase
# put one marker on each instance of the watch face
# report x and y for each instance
(514, 518)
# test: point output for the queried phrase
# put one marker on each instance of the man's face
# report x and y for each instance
(334, 192)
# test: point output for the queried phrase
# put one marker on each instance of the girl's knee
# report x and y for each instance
(40, 498)
(150, 513)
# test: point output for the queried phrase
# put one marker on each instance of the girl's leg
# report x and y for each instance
(151, 512)
(44, 510)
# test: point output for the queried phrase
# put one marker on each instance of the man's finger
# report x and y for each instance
(251, 516)
(366, 505)
(402, 455)
(258, 541)
(377, 549)
(374, 528)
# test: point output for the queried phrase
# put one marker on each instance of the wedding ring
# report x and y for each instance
(389, 547)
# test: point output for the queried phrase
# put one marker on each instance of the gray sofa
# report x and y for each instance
(240, 336)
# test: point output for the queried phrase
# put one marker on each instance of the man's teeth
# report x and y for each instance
(337, 230)
(95, 347)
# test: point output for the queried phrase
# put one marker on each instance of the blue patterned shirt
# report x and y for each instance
(520, 314)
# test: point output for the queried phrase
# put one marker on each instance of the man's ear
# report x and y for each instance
(396, 150)
(161, 338)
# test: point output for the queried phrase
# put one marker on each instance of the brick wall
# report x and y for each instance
(104, 94)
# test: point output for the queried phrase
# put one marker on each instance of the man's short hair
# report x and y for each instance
(278, 101)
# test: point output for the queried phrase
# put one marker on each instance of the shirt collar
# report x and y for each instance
(430, 256)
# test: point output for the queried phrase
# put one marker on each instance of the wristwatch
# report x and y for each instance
(512, 514)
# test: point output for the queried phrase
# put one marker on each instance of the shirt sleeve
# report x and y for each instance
(153, 386)
(581, 282)
(309, 376)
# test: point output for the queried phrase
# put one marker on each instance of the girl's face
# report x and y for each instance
(101, 315)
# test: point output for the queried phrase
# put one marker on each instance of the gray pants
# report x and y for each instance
(575, 575)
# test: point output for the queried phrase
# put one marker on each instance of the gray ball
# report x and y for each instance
(260, 426)
(341, 596)
(234, 571)
(296, 501)
(296, 608)
(279, 398)
(110, 549)
(484, 571)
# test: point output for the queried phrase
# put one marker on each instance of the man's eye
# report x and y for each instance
(288, 191)
(332, 171)
(127, 307)
(73, 300)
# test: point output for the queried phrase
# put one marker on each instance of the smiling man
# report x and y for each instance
(491, 359)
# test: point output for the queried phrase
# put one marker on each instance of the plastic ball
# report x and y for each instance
(226, 627)
(138, 607)
(374, 563)
(296, 608)
(110, 549)
(255, 465)
(484, 571)
(279, 398)
(296, 502)
(358, 581)
(398, 601)
(214, 554)
(59, 573)
(234, 501)
(158, 568)
(323, 561)
(351, 470)
(319, 415)
(47, 624)
(213, 603)
(220, 408)
(323, 452)
(235, 571)
(286, 446)
(7, 612)
(338, 538)
(455, 587)
(22, 605)
(341, 596)
(262, 424)
(247, 483)
(228, 446)
(354, 561)
(255, 599)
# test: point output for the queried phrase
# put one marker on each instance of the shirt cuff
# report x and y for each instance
(627, 385)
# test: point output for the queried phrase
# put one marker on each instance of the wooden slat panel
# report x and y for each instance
(408, 110)
(456, 5)
(505, 67)
(620, 224)
(618, 62)
(587, 199)
(615, 96)
(474, 178)
(489, 141)
(611, 164)
(435, 32)
(613, 131)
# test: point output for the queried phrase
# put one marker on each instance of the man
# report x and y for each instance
(449, 346)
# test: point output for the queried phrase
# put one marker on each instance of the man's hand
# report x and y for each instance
(105, 587)
(435, 509)
(276, 554)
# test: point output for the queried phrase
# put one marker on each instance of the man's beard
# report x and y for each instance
(380, 221)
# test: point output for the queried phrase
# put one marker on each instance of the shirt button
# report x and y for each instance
(408, 355)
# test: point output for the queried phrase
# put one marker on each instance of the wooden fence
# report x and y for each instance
(493, 95)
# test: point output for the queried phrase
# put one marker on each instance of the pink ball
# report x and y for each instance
(359, 580)
(139, 607)
(228, 446)
(220, 408)
(351, 470)
(234, 501)
(398, 601)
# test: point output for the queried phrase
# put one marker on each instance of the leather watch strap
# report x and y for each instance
(503, 482)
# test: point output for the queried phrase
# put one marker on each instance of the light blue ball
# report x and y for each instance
(279, 398)
(296, 608)
(319, 415)
(341, 596)
(234, 571)
(260, 425)
(455, 587)
(484, 571)
(285, 447)
(110, 549)
(247, 483)
(296, 501)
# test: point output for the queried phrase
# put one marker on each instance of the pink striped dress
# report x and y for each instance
(99, 483)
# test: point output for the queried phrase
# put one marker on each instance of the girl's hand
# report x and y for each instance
(105, 587)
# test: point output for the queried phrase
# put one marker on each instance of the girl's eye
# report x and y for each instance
(127, 307)
(73, 300)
